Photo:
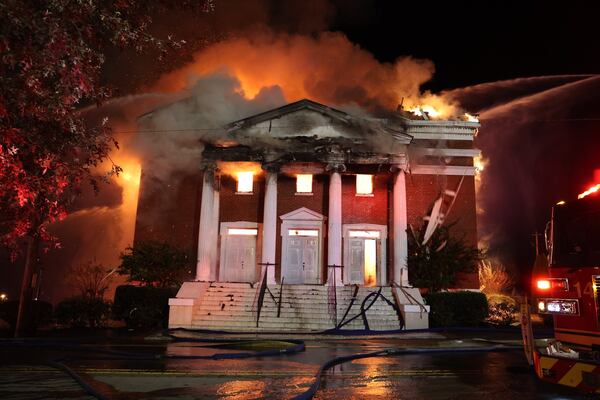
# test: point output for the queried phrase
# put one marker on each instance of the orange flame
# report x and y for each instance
(591, 190)
(328, 69)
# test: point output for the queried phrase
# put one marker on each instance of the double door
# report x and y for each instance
(238, 261)
(302, 264)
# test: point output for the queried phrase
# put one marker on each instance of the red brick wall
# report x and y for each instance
(241, 207)
(171, 212)
(365, 209)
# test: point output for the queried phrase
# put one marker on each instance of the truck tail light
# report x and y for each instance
(543, 284)
(558, 306)
(553, 283)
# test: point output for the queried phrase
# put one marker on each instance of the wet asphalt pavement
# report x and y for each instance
(25, 373)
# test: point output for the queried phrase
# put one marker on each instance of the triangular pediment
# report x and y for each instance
(305, 106)
(303, 214)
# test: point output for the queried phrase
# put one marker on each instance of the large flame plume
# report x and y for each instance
(328, 69)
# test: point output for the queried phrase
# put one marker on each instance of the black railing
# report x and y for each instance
(263, 288)
(280, 297)
(332, 292)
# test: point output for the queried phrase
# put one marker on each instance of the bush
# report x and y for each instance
(493, 278)
(457, 308)
(156, 264)
(143, 306)
(435, 264)
(80, 312)
(503, 314)
(503, 310)
(40, 313)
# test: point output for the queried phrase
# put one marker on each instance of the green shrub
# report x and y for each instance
(457, 308)
(156, 264)
(80, 312)
(435, 265)
(143, 306)
(40, 313)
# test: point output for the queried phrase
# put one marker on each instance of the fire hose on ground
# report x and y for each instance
(297, 346)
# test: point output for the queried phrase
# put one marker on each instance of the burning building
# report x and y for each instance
(312, 205)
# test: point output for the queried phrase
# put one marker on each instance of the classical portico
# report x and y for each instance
(312, 245)
(314, 203)
(325, 195)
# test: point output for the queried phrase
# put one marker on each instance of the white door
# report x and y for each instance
(302, 264)
(294, 260)
(310, 262)
(239, 259)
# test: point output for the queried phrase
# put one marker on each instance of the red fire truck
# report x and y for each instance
(569, 292)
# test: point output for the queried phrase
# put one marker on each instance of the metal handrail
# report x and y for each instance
(352, 300)
(280, 298)
(259, 297)
(332, 292)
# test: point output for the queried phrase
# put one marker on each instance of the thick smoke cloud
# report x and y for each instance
(170, 140)
(327, 68)
(541, 144)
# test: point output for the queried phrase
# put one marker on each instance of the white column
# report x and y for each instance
(400, 221)
(214, 237)
(334, 234)
(203, 266)
(269, 239)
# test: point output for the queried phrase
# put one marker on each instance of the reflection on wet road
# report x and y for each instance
(24, 374)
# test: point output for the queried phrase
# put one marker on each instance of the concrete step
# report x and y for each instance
(304, 308)
(287, 317)
(294, 310)
(276, 326)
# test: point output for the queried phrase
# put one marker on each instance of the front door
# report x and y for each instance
(364, 254)
(302, 264)
(238, 258)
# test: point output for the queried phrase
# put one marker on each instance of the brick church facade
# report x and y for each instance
(309, 195)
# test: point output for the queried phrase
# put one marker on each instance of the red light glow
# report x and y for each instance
(543, 284)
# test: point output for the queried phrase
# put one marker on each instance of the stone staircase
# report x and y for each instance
(304, 308)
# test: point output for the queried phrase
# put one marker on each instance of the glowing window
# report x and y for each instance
(365, 234)
(303, 232)
(244, 182)
(242, 232)
(304, 183)
(364, 184)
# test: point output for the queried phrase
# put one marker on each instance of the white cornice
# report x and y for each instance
(442, 136)
(442, 170)
(450, 152)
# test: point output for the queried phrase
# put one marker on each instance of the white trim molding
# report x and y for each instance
(302, 218)
(381, 278)
(442, 136)
(224, 226)
(443, 170)
(450, 152)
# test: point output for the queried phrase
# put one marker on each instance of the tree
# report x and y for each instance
(435, 264)
(92, 280)
(51, 54)
(155, 263)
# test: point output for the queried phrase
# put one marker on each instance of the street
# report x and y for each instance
(25, 374)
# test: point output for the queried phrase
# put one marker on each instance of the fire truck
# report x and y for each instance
(569, 292)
